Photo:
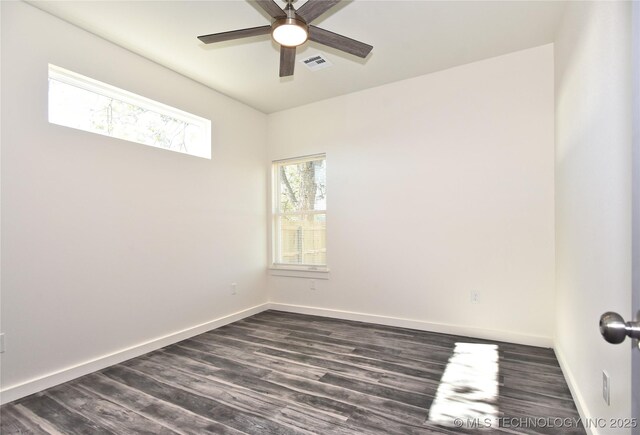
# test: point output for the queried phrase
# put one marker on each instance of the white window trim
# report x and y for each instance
(299, 273)
(71, 78)
(285, 269)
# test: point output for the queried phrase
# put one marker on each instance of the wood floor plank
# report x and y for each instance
(415, 399)
(305, 420)
(416, 370)
(309, 356)
(306, 354)
(256, 322)
(411, 384)
(193, 347)
(440, 356)
(295, 320)
(291, 402)
(165, 413)
(367, 362)
(380, 423)
(380, 405)
(199, 404)
(323, 363)
(368, 366)
(526, 384)
(60, 417)
(116, 418)
(237, 351)
(207, 387)
(519, 412)
(13, 421)
(524, 368)
(274, 390)
(287, 373)
(326, 344)
(400, 359)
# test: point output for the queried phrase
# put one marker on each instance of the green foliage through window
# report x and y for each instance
(300, 218)
(79, 102)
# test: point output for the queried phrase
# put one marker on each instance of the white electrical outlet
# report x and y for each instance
(2, 343)
(312, 284)
(234, 288)
(606, 388)
(475, 297)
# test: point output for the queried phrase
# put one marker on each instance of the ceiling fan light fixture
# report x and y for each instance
(292, 28)
(290, 32)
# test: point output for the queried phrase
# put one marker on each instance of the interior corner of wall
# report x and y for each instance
(578, 398)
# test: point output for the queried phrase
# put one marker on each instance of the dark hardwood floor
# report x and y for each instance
(282, 373)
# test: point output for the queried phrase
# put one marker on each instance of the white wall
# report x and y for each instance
(437, 186)
(593, 199)
(108, 244)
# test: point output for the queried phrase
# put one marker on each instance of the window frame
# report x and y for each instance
(80, 81)
(319, 269)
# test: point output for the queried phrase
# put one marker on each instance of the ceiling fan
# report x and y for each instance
(292, 28)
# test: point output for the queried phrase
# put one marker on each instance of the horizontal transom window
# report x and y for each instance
(86, 104)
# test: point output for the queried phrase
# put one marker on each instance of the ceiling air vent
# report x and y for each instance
(316, 62)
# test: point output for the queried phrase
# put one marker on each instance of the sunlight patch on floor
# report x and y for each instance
(468, 389)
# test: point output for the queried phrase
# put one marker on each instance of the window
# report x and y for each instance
(300, 213)
(85, 104)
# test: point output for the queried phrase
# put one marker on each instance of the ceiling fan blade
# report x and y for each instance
(340, 42)
(271, 8)
(287, 60)
(235, 34)
(312, 9)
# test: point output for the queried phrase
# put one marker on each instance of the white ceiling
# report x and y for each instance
(409, 38)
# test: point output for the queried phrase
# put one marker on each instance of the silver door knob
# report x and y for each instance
(614, 329)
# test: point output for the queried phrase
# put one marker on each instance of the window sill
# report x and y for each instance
(299, 272)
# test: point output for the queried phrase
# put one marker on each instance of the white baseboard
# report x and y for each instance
(16, 391)
(467, 331)
(575, 391)
(40, 383)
